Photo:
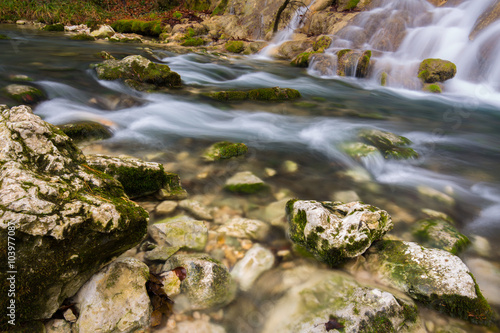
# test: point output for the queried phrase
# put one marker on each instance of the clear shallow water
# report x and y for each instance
(457, 137)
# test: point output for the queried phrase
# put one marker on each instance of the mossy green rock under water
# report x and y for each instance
(334, 231)
(436, 70)
(207, 285)
(302, 60)
(322, 43)
(261, 94)
(4, 37)
(244, 182)
(68, 220)
(332, 296)
(439, 234)
(224, 150)
(24, 94)
(389, 144)
(235, 46)
(431, 276)
(54, 27)
(82, 37)
(193, 41)
(139, 69)
(139, 178)
(433, 88)
(86, 131)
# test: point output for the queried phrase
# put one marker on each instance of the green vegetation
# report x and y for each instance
(440, 234)
(302, 60)
(146, 28)
(436, 70)
(225, 150)
(261, 94)
(193, 41)
(433, 88)
(177, 15)
(221, 8)
(235, 46)
(322, 43)
(351, 4)
(82, 37)
(84, 131)
(54, 27)
(4, 37)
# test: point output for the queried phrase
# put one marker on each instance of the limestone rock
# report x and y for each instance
(326, 295)
(439, 234)
(85, 131)
(166, 207)
(103, 32)
(115, 299)
(255, 262)
(139, 178)
(389, 144)
(208, 283)
(197, 209)
(431, 276)
(68, 220)
(24, 94)
(353, 63)
(436, 70)
(240, 227)
(180, 232)
(333, 231)
(290, 49)
(138, 69)
(244, 182)
(324, 64)
(224, 150)
(260, 94)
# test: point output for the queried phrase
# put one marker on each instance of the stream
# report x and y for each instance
(455, 134)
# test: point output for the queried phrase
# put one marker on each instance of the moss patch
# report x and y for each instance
(82, 37)
(235, 46)
(261, 94)
(84, 131)
(146, 28)
(302, 60)
(225, 150)
(54, 27)
(193, 42)
(436, 70)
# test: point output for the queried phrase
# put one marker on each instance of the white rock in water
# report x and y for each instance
(240, 227)
(103, 32)
(255, 262)
(166, 207)
(115, 299)
(197, 209)
(180, 231)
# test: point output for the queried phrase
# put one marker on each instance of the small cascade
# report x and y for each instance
(403, 33)
(286, 34)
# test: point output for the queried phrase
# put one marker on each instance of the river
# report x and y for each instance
(455, 135)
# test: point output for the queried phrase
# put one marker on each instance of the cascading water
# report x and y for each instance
(403, 33)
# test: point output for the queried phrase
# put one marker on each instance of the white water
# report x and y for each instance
(425, 31)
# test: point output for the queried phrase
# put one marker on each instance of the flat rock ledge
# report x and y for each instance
(334, 231)
(67, 219)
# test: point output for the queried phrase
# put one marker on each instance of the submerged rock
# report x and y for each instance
(334, 231)
(353, 63)
(224, 150)
(322, 43)
(302, 59)
(431, 276)
(103, 32)
(115, 299)
(139, 178)
(358, 150)
(244, 182)
(197, 209)
(260, 94)
(240, 227)
(85, 131)
(255, 262)
(334, 298)
(24, 94)
(436, 70)
(235, 46)
(389, 144)
(138, 69)
(440, 234)
(68, 220)
(208, 283)
(180, 232)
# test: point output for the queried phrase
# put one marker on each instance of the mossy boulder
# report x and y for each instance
(440, 234)
(345, 5)
(85, 131)
(208, 284)
(193, 41)
(224, 150)
(82, 36)
(115, 299)
(353, 63)
(334, 231)
(435, 88)
(24, 94)
(139, 178)
(358, 150)
(431, 276)
(54, 27)
(302, 60)
(68, 220)
(235, 46)
(436, 70)
(322, 43)
(260, 94)
(139, 69)
(145, 28)
(389, 144)
(244, 182)
(336, 298)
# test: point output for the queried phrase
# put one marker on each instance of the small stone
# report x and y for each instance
(244, 182)
(69, 316)
(196, 209)
(166, 207)
(103, 32)
(24, 94)
(245, 228)
(224, 150)
(270, 172)
(255, 262)
(275, 213)
(435, 195)
(21, 22)
(180, 231)
(290, 166)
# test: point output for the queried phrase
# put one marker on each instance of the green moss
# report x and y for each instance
(146, 28)
(177, 15)
(226, 96)
(383, 79)
(436, 70)
(322, 44)
(24, 94)
(221, 7)
(84, 131)
(193, 42)
(4, 37)
(302, 60)
(246, 188)
(433, 88)
(82, 37)
(351, 4)
(440, 234)
(341, 53)
(235, 46)
(225, 150)
(54, 27)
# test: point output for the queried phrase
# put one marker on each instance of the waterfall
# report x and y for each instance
(286, 34)
(403, 33)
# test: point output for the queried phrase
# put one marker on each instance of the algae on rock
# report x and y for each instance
(389, 144)
(436, 70)
(260, 94)
(439, 234)
(224, 150)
